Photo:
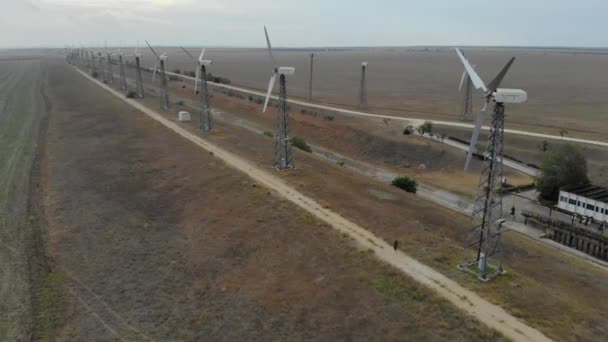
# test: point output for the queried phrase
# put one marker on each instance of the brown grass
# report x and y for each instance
(180, 247)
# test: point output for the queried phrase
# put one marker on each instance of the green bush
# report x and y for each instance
(409, 130)
(406, 183)
(426, 127)
(131, 94)
(301, 144)
(268, 134)
(95, 74)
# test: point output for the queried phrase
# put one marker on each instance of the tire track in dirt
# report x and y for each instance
(102, 311)
(492, 315)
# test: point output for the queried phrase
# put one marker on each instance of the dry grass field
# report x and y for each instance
(153, 239)
(551, 291)
(142, 235)
(566, 88)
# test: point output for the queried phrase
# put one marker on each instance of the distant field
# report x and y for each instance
(566, 89)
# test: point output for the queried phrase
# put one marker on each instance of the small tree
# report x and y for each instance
(563, 132)
(544, 146)
(406, 183)
(562, 166)
(426, 127)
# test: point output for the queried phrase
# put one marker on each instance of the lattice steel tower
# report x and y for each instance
(206, 124)
(138, 79)
(109, 69)
(164, 91)
(485, 236)
(363, 86)
(282, 146)
(123, 77)
(101, 68)
(283, 158)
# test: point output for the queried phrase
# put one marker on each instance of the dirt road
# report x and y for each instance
(492, 315)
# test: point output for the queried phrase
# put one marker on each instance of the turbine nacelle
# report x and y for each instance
(288, 71)
(505, 95)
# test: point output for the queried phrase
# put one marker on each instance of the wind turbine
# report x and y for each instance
(206, 123)
(139, 81)
(164, 92)
(282, 147)
(109, 68)
(123, 77)
(488, 206)
(101, 69)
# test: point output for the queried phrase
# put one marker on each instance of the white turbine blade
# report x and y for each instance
(154, 52)
(198, 74)
(274, 62)
(270, 87)
(155, 68)
(477, 81)
(200, 58)
(464, 74)
(187, 53)
(475, 136)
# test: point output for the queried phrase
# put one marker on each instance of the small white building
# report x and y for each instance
(586, 200)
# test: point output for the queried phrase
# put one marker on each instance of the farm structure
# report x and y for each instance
(586, 200)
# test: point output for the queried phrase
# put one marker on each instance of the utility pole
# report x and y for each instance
(363, 87)
(312, 57)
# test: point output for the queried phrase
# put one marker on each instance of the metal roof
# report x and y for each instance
(594, 192)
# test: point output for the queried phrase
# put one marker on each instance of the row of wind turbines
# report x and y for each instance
(486, 234)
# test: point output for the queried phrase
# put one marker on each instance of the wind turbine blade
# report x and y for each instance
(477, 81)
(274, 62)
(475, 136)
(464, 74)
(270, 87)
(155, 68)
(496, 82)
(154, 52)
(200, 58)
(188, 53)
(198, 74)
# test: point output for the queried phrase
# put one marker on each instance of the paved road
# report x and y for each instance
(468, 301)
(413, 121)
(507, 162)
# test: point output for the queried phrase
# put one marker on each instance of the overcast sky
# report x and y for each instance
(301, 23)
